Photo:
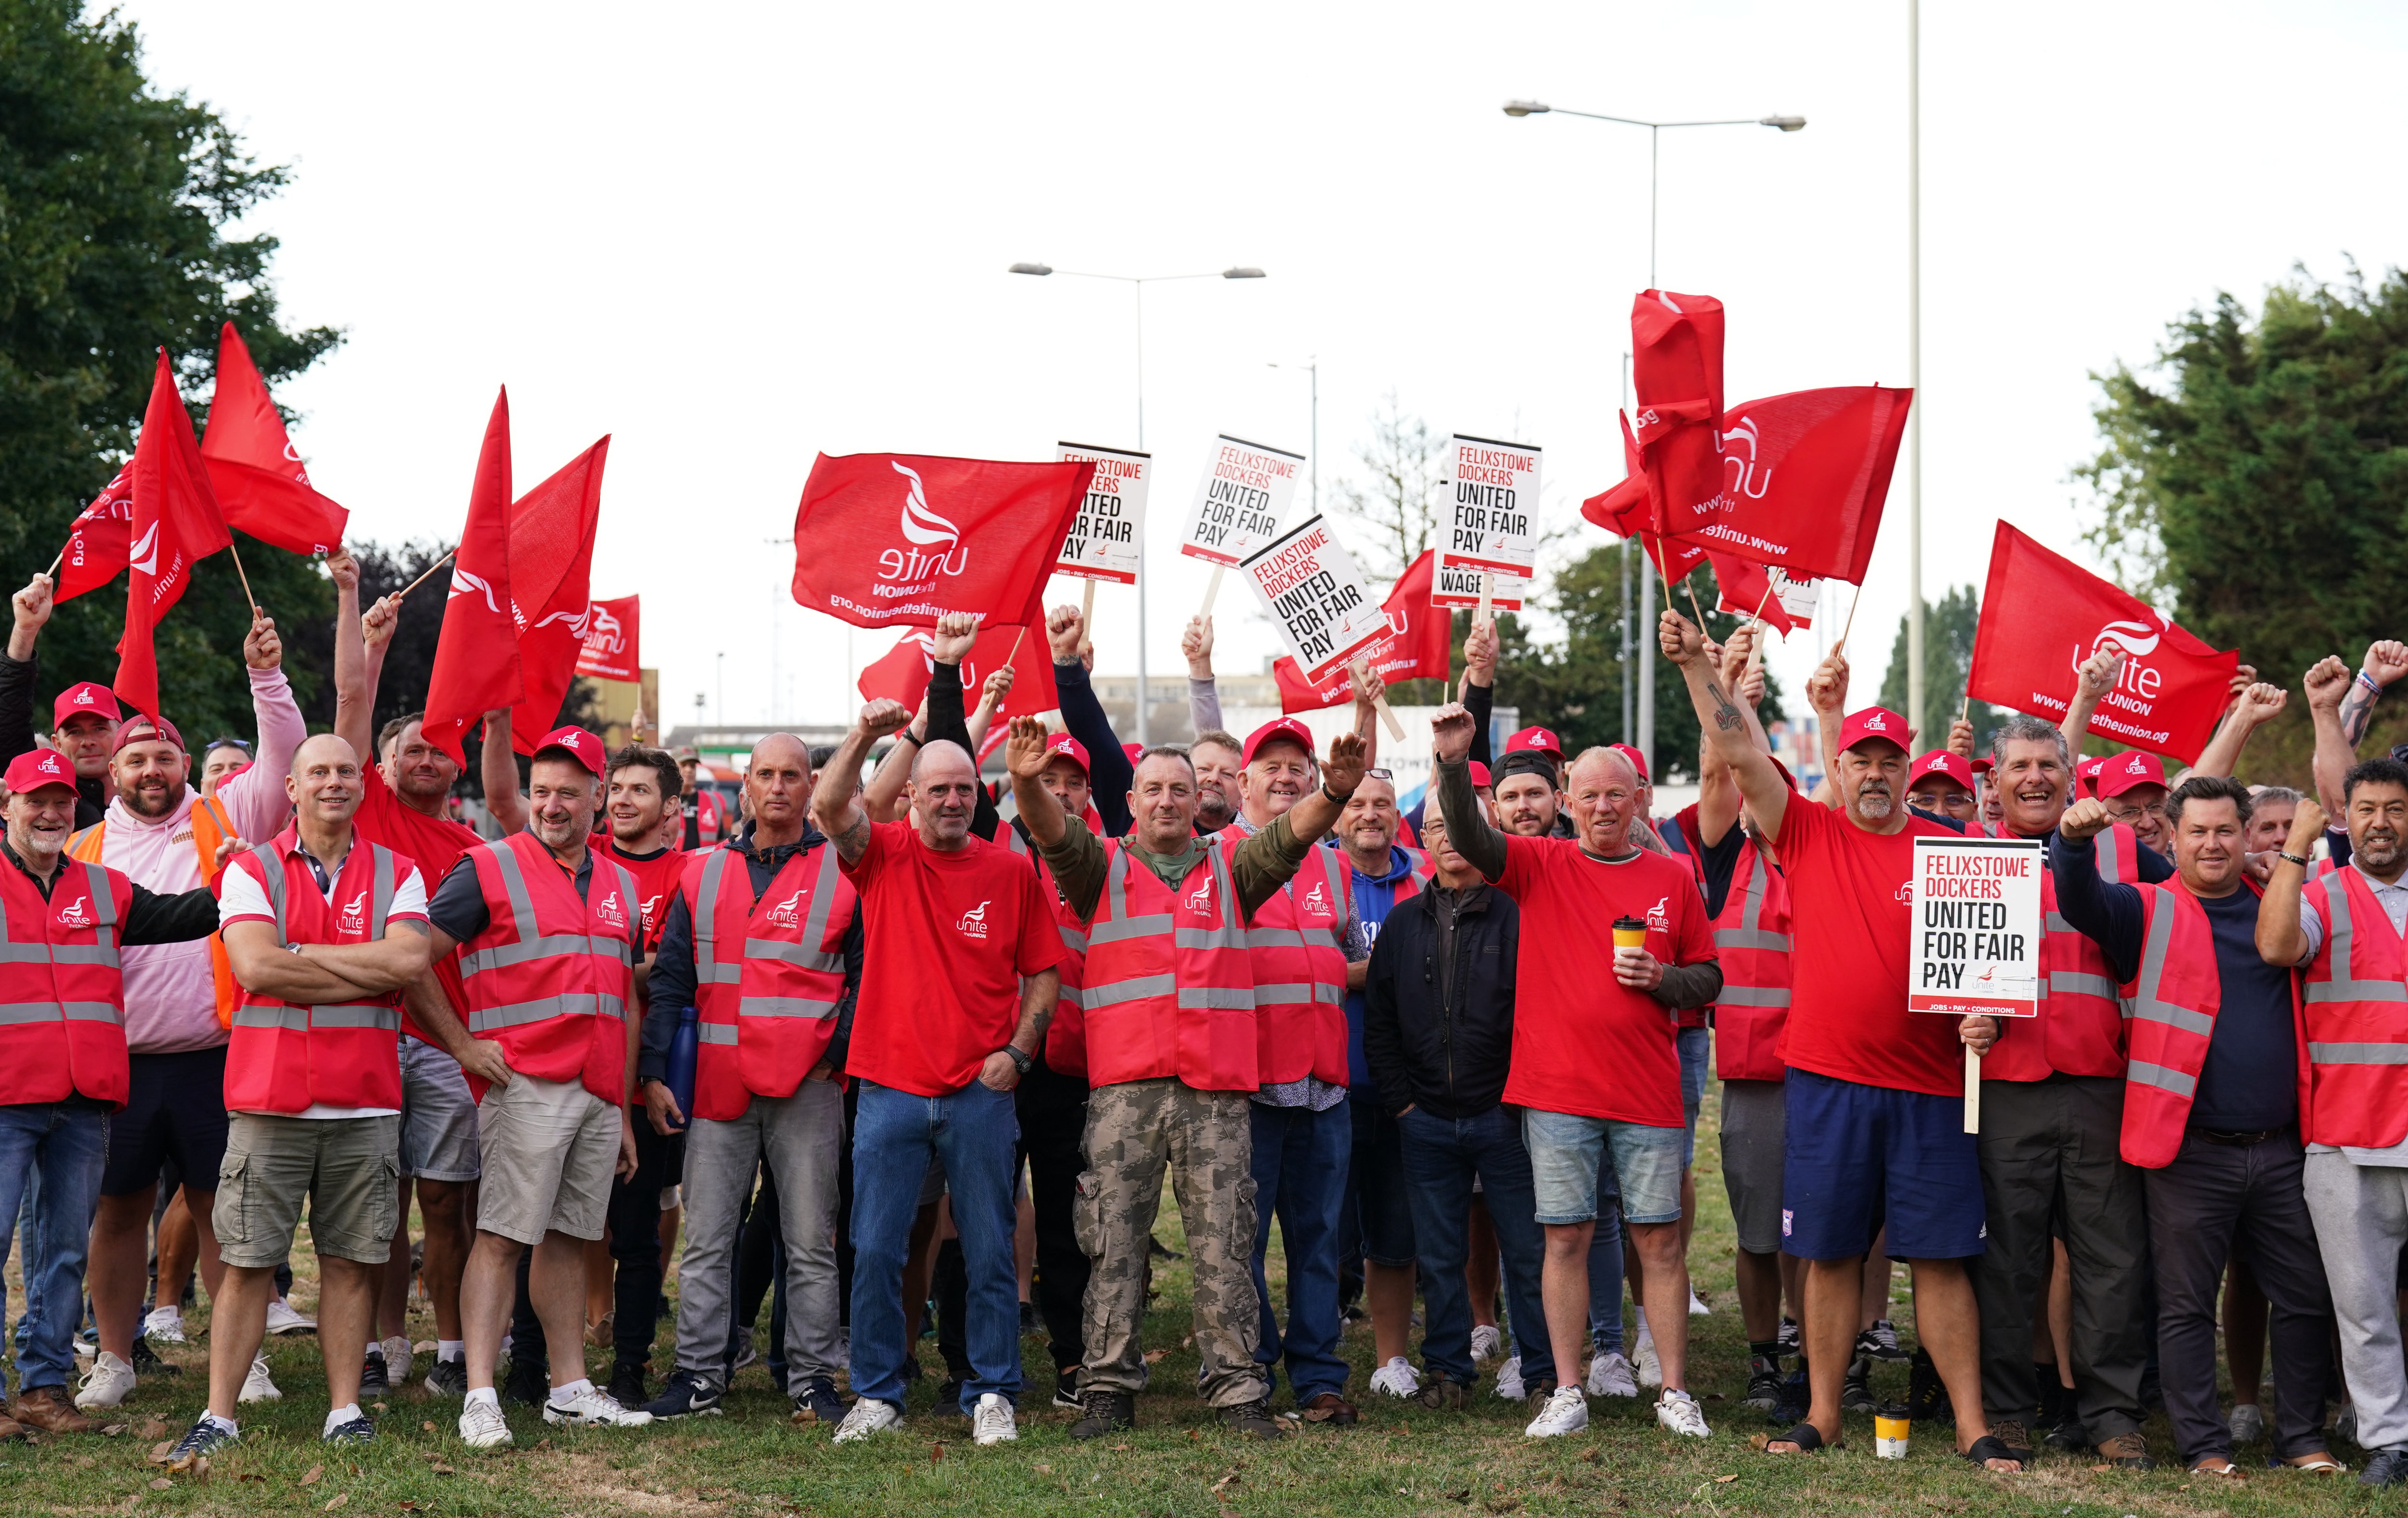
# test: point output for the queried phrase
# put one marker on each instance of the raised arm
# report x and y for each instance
(1724, 724)
(31, 608)
(1827, 695)
(2280, 940)
(2258, 704)
(1479, 694)
(2386, 662)
(882, 799)
(2329, 684)
(354, 685)
(1110, 773)
(1718, 802)
(499, 769)
(991, 696)
(2098, 675)
(1312, 818)
(1450, 734)
(1368, 687)
(1203, 691)
(836, 800)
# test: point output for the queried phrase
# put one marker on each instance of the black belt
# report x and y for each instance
(2221, 1135)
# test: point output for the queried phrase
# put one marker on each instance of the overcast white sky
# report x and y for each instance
(736, 235)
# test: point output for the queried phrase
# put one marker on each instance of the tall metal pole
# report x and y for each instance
(1314, 368)
(1645, 608)
(1145, 721)
(1915, 693)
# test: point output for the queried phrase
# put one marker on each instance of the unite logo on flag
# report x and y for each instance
(973, 923)
(937, 547)
(463, 583)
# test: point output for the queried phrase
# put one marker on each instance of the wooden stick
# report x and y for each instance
(430, 571)
(1387, 718)
(1086, 605)
(1664, 576)
(1756, 644)
(1488, 613)
(1211, 590)
(248, 598)
(54, 570)
(1692, 603)
(1973, 1091)
(1017, 641)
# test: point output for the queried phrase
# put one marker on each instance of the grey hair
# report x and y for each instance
(2023, 727)
(1602, 750)
(2279, 795)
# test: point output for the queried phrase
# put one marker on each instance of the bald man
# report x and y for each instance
(957, 979)
(764, 940)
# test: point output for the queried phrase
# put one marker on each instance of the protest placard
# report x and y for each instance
(1316, 596)
(1491, 499)
(1976, 930)
(1461, 587)
(1245, 491)
(1103, 540)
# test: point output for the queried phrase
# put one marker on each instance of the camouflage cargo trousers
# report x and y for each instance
(1206, 1138)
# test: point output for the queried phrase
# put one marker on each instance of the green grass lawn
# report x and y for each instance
(752, 1460)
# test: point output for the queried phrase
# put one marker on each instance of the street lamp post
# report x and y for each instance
(1646, 596)
(1312, 366)
(1915, 716)
(1137, 282)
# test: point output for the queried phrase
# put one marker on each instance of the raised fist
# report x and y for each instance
(2087, 818)
(1452, 730)
(1065, 630)
(883, 716)
(957, 634)
(1682, 642)
(2327, 681)
(1197, 644)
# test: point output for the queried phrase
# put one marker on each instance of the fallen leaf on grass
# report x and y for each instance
(546, 1443)
(1719, 1480)
(85, 1462)
(336, 1503)
(161, 1484)
(1592, 1457)
(112, 1430)
(2102, 1468)
(1044, 1470)
(1187, 1343)
(1118, 1447)
(1464, 1495)
(160, 1451)
(1195, 1432)
(152, 1429)
(428, 1425)
(1716, 1396)
(310, 1476)
(1226, 1481)
(441, 1468)
(935, 1453)
(1758, 1441)
(1154, 1356)
(251, 1476)
(408, 1507)
(1228, 1512)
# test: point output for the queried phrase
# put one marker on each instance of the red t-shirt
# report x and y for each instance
(434, 843)
(1582, 1042)
(1850, 926)
(946, 938)
(656, 882)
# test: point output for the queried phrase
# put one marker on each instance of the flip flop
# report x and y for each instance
(1807, 1439)
(1990, 1447)
(2218, 1467)
(2316, 1465)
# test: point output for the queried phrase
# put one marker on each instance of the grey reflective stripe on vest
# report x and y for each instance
(1752, 995)
(2111, 868)
(2358, 1054)
(520, 1013)
(42, 951)
(1748, 934)
(2145, 1073)
(720, 1033)
(1231, 934)
(2341, 987)
(521, 915)
(1070, 997)
(2076, 982)
(2056, 922)
(1297, 992)
(1275, 937)
(708, 969)
(1136, 988)
(348, 1016)
(806, 955)
(1215, 998)
(18, 1013)
(2149, 1006)
(1072, 938)
(291, 1019)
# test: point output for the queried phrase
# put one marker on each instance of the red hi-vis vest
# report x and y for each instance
(1752, 943)
(767, 975)
(1298, 942)
(1170, 985)
(552, 977)
(2174, 998)
(283, 1057)
(1066, 1034)
(2081, 1027)
(2354, 1020)
(211, 827)
(62, 998)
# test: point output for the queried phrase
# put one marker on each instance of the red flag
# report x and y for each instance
(610, 651)
(1676, 370)
(1419, 643)
(895, 540)
(551, 561)
(97, 539)
(175, 526)
(477, 654)
(1747, 589)
(2043, 614)
(1624, 512)
(260, 479)
(901, 673)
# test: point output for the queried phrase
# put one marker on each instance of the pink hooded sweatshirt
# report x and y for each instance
(170, 996)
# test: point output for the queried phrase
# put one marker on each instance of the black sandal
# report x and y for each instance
(1990, 1447)
(1807, 1439)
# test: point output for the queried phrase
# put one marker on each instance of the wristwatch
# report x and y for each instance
(1022, 1063)
(2288, 855)
(1334, 797)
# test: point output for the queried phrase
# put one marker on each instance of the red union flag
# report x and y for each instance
(901, 673)
(175, 526)
(551, 561)
(898, 540)
(2042, 615)
(1419, 641)
(1747, 589)
(476, 653)
(1676, 370)
(97, 539)
(610, 651)
(259, 478)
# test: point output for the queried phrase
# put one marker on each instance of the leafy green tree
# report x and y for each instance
(116, 201)
(1948, 625)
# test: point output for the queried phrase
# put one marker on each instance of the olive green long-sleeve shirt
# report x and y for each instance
(1261, 866)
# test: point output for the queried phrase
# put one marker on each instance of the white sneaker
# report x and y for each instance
(1509, 1380)
(483, 1427)
(1698, 1308)
(869, 1416)
(1487, 1342)
(163, 1326)
(1567, 1413)
(1651, 1369)
(991, 1424)
(1610, 1375)
(1679, 1412)
(257, 1386)
(590, 1408)
(282, 1319)
(396, 1360)
(106, 1384)
(1396, 1378)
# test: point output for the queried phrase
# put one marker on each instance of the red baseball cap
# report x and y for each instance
(1284, 727)
(1479, 775)
(1980, 765)
(2126, 771)
(143, 730)
(37, 767)
(1940, 761)
(1539, 740)
(2086, 775)
(1133, 751)
(1638, 760)
(88, 698)
(1875, 722)
(1064, 746)
(578, 744)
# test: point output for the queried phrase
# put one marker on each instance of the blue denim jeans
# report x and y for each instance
(1605, 1267)
(66, 1148)
(1441, 1155)
(1300, 1159)
(976, 1132)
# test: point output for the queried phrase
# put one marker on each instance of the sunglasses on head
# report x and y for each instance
(1380, 775)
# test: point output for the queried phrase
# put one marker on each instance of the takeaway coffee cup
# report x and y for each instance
(1630, 933)
(1890, 1430)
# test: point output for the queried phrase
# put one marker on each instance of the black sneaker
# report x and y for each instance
(1788, 1336)
(1066, 1389)
(1880, 1341)
(1253, 1420)
(1156, 1249)
(949, 1394)
(1027, 1318)
(2385, 1467)
(448, 1378)
(357, 1431)
(147, 1362)
(529, 1383)
(205, 1437)
(1796, 1399)
(373, 1381)
(818, 1398)
(1440, 1395)
(1107, 1412)
(1857, 1389)
(627, 1386)
(686, 1395)
(1763, 1384)
(1926, 1397)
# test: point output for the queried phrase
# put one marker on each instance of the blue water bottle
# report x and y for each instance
(683, 1050)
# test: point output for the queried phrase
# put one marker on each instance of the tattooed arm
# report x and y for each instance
(836, 800)
(1725, 724)
(2386, 662)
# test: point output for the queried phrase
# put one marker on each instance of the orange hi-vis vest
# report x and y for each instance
(1298, 941)
(2081, 1027)
(552, 977)
(211, 827)
(61, 994)
(768, 975)
(1066, 1036)
(1752, 942)
(284, 1057)
(1169, 984)
(2354, 1020)
(2174, 997)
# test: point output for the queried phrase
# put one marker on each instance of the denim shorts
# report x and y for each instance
(1565, 1149)
(1694, 1044)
